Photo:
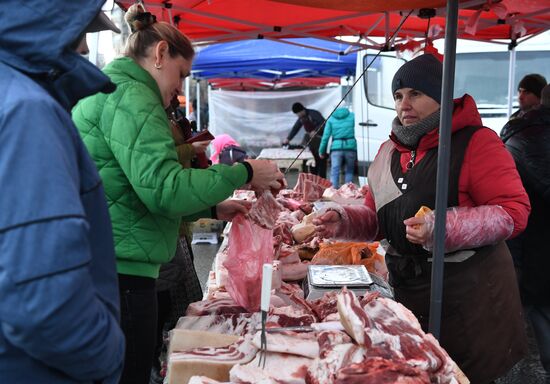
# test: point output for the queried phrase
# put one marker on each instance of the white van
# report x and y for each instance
(481, 71)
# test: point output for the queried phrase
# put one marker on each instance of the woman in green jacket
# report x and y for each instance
(148, 191)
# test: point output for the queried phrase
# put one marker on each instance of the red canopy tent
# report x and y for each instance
(238, 84)
(208, 21)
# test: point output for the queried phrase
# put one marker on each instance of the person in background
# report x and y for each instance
(59, 307)
(226, 150)
(312, 121)
(528, 140)
(343, 150)
(192, 117)
(529, 90)
(129, 137)
(481, 325)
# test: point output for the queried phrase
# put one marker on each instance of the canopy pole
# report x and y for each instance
(187, 97)
(198, 111)
(511, 77)
(93, 47)
(443, 157)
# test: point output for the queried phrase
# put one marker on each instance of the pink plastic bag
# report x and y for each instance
(250, 246)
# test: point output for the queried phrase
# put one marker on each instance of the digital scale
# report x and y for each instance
(205, 237)
(325, 278)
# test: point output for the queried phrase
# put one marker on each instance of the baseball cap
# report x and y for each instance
(101, 23)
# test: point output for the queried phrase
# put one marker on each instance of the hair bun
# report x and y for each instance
(138, 19)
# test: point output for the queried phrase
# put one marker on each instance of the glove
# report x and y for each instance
(351, 222)
(471, 227)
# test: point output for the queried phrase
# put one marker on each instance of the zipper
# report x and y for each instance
(410, 164)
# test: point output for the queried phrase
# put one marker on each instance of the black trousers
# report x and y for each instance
(320, 168)
(138, 305)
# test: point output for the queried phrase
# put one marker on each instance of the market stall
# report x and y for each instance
(316, 330)
(359, 329)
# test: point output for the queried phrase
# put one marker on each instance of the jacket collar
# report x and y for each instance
(130, 68)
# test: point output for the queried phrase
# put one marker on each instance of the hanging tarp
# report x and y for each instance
(274, 60)
(263, 119)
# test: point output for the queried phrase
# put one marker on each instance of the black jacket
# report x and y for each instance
(314, 117)
(528, 140)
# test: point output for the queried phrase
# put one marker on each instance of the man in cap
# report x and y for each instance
(59, 311)
(313, 123)
(529, 94)
(529, 89)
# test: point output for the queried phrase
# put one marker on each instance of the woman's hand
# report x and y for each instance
(200, 146)
(266, 175)
(326, 224)
(226, 210)
(418, 231)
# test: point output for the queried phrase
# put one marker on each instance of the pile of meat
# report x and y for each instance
(343, 339)
(286, 222)
(347, 194)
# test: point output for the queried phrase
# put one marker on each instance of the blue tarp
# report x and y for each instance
(267, 59)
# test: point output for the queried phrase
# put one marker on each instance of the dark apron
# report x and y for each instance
(481, 326)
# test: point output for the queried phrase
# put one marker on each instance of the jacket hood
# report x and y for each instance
(465, 114)
(341, 113)
(38, 38)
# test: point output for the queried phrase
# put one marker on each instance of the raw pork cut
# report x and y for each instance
(377, 370)
(265, 211)
(280, 368)
(214, 307)
(250, 247)
(300, 344)
(211, 362)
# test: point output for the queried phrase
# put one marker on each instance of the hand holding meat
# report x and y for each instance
(226, 210)
(416, 229)
(200, 146)
(466, 227)
(265, 175)
(326, 224)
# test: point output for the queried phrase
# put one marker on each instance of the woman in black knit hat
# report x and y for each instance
(482, 326)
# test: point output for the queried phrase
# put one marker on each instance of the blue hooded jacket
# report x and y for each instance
(59, 304)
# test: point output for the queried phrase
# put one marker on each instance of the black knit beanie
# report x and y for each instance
(422, 73)
(533, 83)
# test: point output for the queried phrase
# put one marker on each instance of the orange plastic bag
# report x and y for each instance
(341, 253)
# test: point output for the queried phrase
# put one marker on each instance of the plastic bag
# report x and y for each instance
(250, 246)
(471, 227)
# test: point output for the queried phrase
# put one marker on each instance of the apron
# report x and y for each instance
(482, 326)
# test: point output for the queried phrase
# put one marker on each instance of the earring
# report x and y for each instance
(158, 66)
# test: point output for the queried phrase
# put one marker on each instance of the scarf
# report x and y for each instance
(410, 135)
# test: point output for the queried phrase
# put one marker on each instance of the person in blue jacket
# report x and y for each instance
(59, 304)
(340, 126)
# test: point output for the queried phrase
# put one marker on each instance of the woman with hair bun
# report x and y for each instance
(148, 191)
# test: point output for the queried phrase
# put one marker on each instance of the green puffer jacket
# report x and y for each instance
(128, 135)
(341, 126)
